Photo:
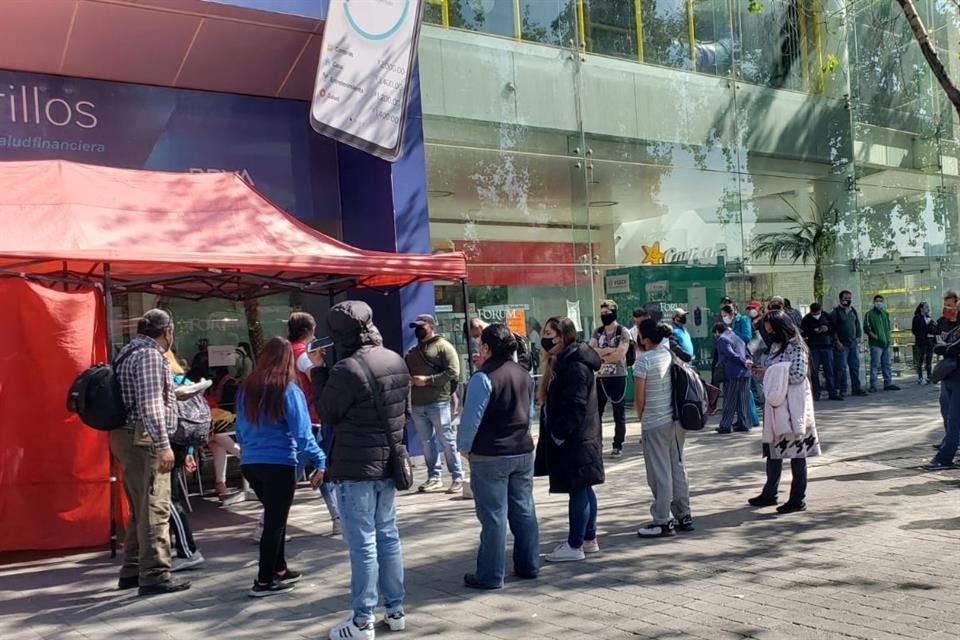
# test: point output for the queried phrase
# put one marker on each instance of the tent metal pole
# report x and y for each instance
(108, 311)
(466, 320)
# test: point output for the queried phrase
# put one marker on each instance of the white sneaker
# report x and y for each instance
(591, 546)
(348, 630)
(565, 553)
(184, 564)
(395, 621)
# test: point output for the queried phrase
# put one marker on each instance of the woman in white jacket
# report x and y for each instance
(789, 426)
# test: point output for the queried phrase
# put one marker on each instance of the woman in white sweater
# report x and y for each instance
(789, 427)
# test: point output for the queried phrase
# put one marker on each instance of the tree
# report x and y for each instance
(929, 52)
(803, 241)
(251, 309)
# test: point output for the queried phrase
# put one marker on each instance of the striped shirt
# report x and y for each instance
(654, 367)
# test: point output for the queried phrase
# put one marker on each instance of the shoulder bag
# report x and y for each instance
(401, 469)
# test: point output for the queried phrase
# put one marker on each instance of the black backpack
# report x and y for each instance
(524, 356)
(690, 403)
(193, 422)
(95, 396)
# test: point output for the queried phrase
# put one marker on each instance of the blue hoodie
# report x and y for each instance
(284, 442)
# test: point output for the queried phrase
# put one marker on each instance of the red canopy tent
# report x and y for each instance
(96, 231)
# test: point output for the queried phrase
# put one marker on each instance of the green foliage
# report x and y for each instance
(754, 8)
(831, 64)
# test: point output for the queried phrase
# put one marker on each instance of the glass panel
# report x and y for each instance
(505, 171)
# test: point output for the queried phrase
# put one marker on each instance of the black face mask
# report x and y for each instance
(846, 303)
(681, 319)
(608, 318)
(548, 343)
(421, 333)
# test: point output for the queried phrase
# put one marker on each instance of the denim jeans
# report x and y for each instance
(822, 358)
(583, 517)
(369, 518)
(950, 409)
(880, 359)
(798, 486)
(502, 494)
(846, 359)
(434, 422)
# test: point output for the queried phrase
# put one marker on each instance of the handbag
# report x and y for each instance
(944, 369)
(401, 468)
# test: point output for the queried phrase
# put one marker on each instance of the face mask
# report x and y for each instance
(681, 320)
(753, 313)
(950, 314)
(608, 318)
(548, 343)
(845, 303)
(421, 333)
(878, 306)
(727, 320)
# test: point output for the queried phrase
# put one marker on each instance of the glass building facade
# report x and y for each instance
(639, 150)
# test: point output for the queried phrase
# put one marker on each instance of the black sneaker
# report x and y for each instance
(724, 431)
(685, 524)
(792, 507)
(616, 452)
(935, 464)
(170, 586)
(471, 581)
(260, 590)
(860, 393)
(872, 390)
(128, 583)
(763, 501)
(289, 576)
(891, 387)
(742, 429)
(654, 530)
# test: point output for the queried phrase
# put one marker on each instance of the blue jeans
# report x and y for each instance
(328, 490)
(822, 358)
(434, 422)
(847, 359)
(950, 409)
(880, 359)
(503, 493)
(583, 517)
(369, 518)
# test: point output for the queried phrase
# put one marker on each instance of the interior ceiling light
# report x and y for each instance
(596, 204)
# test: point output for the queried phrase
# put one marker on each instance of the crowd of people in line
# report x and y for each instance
(341, 422)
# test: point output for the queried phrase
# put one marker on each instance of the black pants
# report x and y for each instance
(924, 358)
(617, 388)
(798, 487)
(274, 485)
(180, 531)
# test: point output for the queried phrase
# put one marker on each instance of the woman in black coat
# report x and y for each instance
(570, 447)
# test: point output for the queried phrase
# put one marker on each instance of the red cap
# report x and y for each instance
(754, 304)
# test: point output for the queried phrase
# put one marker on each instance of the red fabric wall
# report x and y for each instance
(54, 471)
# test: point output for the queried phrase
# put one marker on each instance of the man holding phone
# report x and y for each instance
(309, 351)
(434, 371)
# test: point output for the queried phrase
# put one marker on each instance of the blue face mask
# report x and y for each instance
(878, 306)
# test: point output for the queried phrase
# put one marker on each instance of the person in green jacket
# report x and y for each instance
(877, 326)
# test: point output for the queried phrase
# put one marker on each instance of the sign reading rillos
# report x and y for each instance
(363, 80)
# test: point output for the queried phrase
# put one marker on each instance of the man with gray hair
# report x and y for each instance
(142, 448)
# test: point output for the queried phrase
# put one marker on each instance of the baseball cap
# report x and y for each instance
(424, 320)
(679, 311)
(754, 304)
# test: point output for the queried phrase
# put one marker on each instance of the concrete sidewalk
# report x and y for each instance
(876, 556)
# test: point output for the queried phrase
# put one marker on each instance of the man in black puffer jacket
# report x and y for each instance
(360, 460)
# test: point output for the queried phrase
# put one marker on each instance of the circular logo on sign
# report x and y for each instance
(380, 24)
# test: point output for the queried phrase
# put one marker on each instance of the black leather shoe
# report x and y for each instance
(170, 586)
(526, 576)
(128, 583)
(762, 501)
(471, 581)
(792, 507)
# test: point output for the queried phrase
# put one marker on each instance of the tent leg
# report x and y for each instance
(466, 320)
(108, 311)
